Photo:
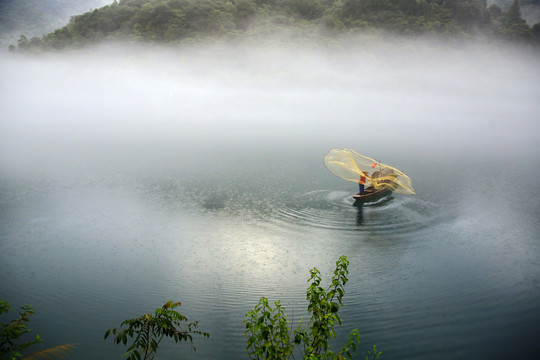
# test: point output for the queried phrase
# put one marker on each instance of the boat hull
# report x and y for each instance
(372, 196)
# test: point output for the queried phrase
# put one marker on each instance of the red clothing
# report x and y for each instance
(362, 179)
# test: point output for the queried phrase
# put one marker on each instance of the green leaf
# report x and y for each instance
(251, 340)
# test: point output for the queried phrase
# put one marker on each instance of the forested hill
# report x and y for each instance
(177, 21)
(38, 17)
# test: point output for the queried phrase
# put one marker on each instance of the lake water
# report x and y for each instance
(132, 178)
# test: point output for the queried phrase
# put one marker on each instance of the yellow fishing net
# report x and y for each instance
(350, 165)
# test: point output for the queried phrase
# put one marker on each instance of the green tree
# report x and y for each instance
(514, 26)
(220, 22)
(60, 39)
(245, 12)
(513, 15)
(536, 32)
(177, 28)
(159, 18)
(10, 332)
(149, 330)
(198, 12)
(11, 344)
(22, 43)
(305, 9)
(269, 335)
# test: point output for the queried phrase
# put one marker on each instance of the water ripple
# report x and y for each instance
(334, 210)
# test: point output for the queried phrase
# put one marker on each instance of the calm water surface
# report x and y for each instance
(209, 189)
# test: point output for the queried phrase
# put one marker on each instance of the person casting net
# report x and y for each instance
(351, 166)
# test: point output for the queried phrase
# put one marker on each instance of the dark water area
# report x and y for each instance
(216, 194)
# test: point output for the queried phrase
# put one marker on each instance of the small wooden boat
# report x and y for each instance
(371, 194)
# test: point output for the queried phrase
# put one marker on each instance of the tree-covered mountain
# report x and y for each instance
(38, 17)
(177, 21)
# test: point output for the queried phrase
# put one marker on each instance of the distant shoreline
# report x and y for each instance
(180, 22)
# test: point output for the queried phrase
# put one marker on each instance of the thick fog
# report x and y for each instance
(113, 107)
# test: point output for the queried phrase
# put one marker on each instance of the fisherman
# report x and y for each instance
(362, 181)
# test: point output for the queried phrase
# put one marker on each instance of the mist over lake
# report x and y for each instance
(131, 176)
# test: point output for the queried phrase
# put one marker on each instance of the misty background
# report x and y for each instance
(106, 104)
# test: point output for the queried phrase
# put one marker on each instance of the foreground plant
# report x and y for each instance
(269, 335)
(149, 330)
(10, 333)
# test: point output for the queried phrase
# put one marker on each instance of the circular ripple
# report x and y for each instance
(334, 210)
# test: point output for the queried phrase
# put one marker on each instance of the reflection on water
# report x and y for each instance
(125, 185)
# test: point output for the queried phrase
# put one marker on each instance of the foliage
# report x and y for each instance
(149, 330)
(269, 335)
(11, 344)
(514, 26)
(10, 332)
(176, 21)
